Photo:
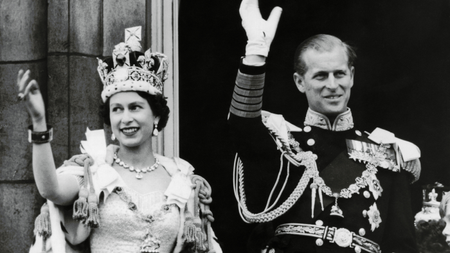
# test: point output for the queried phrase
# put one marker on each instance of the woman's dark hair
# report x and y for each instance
(430, 238)
(158, 104)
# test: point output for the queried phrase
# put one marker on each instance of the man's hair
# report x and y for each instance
(321, 43)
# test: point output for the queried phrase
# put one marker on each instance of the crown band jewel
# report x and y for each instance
(131, 70)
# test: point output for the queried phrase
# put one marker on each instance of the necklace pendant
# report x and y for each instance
(139, 175)
(150, 244)
(335, 209)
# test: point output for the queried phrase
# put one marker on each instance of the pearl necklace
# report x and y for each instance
(138, 171)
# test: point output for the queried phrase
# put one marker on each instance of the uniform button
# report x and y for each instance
(319, 222)
(311, 142)
(362, 232)
(364, 213)
(366, 194)
(307, 129)
(357, 132)
(319, 242)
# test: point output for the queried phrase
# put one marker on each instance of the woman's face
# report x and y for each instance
(132, 119)
(446, 218)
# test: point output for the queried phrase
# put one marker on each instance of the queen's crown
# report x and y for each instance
(131, 70)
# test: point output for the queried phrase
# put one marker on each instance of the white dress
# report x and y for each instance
(124, 230)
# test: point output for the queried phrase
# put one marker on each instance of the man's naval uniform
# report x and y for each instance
(377, 215)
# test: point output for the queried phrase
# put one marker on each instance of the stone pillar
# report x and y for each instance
(58, 77)
(84, 84)
(23, 45)
(74, 42)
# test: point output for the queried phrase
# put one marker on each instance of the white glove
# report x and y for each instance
(260, 32)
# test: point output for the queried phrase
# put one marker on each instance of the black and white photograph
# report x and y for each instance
(253, 126)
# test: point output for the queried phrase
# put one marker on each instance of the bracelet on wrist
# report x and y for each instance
(40, 137)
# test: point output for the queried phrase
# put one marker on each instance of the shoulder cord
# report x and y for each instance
(42, 226)
(202, 196)
(285, 145)
(85, 208)
(42, 223)
(276, 183)
(266, 215)
(240, 182)
(301, 158)
(200, 235)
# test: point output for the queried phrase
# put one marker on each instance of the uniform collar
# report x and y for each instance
(343, 121)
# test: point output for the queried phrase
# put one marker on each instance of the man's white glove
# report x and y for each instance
(260, 32)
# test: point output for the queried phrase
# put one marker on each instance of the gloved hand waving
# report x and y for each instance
(260, 32)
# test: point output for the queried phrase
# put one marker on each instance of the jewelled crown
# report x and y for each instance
(131, 70)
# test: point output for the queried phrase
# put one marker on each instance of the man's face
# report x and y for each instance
(327, 81)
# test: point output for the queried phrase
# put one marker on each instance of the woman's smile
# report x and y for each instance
(132, 119)
(129, 131)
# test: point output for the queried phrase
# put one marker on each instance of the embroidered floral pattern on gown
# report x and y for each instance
(121, 230)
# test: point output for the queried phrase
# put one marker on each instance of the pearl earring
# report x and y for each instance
(155, 129)
(113, 137)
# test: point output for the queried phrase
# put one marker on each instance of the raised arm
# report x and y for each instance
(247, 97)
(60, 189)
(252, 142)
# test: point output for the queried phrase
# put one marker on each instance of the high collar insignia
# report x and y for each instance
(343, 121)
